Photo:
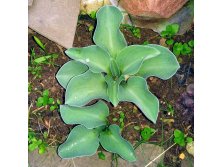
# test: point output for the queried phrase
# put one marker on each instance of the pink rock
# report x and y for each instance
(152, 9)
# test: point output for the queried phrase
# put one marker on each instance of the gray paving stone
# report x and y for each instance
(55, 19)
(145, 153)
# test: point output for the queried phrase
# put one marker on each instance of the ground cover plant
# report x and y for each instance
(112, 71)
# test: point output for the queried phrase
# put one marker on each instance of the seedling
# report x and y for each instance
(180, 138)
(170, 109)
(145, 43)
(112, 71)
(121, 120)
(191, 43)
(147, 133)
(169, 33)
(29, 87)
(182, 48)
(35, 70)
(35, 143)
(134, 30)
(90, 28)
(93, 15)
(37, 60)
(101, 155)
(45, 100)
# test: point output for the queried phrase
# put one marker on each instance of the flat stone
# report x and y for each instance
(51, 159)
(145, 153)
(152, 9)
(55, 19)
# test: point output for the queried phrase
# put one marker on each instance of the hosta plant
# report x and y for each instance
(112, 71)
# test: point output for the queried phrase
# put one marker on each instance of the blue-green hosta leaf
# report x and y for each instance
(112, 141)
(135, 91)
(164, 66)
(131, 58)
(80, 142)
(95, 57)
(114, 69)
(107, 34)
(70, 70)
(113, 88)
(84, 88)
(89, 116)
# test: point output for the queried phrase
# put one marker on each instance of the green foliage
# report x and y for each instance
(134, 30)
(180, 138)
(101, 155)
(169, 42)
(45, 100)
(183, 48)
(93, 15)
(35, 143)
(191, 43)
(170, 109)
(29, 87)
(145, 43)
(39, 43)
(147, 133)
(170, 31)
(112, 71)
(36, 61)
(121, 120)
(90, 28)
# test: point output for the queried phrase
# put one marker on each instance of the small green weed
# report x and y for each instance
(183, 48)
(121, 120)
(29, 87)
(35, 143)
(93, 15)
(170, 31)
(145, 43)
(45, 100)
(37, 60)
(147, 133)
(101, 155)
(134, 30)
(180, 138)
(90, 28)
(170, 109)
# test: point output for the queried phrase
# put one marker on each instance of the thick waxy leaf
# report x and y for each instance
(164, 66)
(131, 58)
(107, 33)
(114, 69)
(70, 70)
(112, 141)
(84, 88)
(135, 91)
(113, 88)
(95, 57)
(80, 142)
(89, 116)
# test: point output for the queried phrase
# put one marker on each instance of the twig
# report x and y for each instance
(129, 124)
(38, 109)
(160, 155)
